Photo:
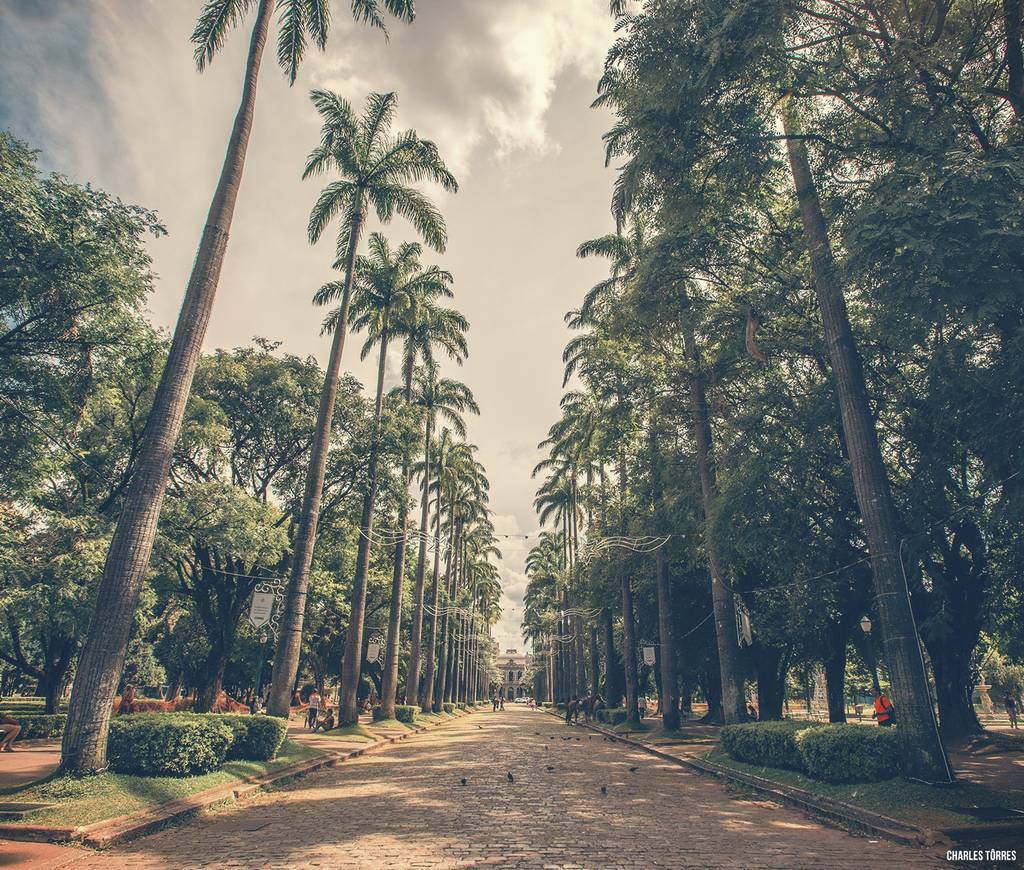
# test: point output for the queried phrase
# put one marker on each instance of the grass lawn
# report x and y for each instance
(658, 736)
(434, 717)
(631, 727)
(916, 803)
(393, 724)
(354, 732)
(93, 799)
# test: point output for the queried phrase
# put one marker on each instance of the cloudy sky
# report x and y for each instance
(108, 91)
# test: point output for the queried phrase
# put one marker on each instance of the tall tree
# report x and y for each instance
(377, 169)
(84, 744)
(448, 399)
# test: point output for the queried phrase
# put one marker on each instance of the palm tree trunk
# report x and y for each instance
(412, 678)
(451, 565)
(389, 685)
(669, 679)
(84, 745)
(921, 748)
(628, 623)
(351, 665)
(613, 675)
(733, 706)
(426, 700)
(289, 640)
(595, 662)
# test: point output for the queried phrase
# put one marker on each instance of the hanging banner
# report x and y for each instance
(744, 631)
(372, 652)
(648, 655)
(261, 609)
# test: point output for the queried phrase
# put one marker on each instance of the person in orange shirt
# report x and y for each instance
(885, 713)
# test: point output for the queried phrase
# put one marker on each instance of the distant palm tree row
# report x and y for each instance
(393, 297)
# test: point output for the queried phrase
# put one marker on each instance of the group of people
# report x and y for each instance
(497, 702)
(314, 706)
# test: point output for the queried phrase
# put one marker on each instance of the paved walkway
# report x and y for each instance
(406, 808)
(28, 762)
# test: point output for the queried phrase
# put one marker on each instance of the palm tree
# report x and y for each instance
(99, 667)
(421, 325)
(436, 397)
(377, 169)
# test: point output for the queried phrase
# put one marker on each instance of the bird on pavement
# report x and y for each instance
(633, 769)
(604, 789)
(462, 781)
(510, 777)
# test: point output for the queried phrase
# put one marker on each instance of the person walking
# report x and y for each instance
(501, 703)
(1011, 709)
(884, 712)
(9, 730)
(313, 713)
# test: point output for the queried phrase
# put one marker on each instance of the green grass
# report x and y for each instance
(915, 803)
(433, 717)
(392, 724)
(353, 732)
(93, 799)
(657, 736)
(632, 727)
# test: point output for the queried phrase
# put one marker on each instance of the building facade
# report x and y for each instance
(512, 665)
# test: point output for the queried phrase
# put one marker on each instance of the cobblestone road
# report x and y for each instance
(405, 807)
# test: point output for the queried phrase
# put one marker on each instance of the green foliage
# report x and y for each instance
(610, 716)
(849, 753)
(378, 714)
(256, 738)
(168, 744)
(407, 713)
(448, 708)
(769, 743)
(37, 726)
(831, 753)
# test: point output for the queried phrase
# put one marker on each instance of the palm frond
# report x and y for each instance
(291, 36)
(216, 18)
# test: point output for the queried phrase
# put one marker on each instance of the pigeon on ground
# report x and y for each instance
(510, 777)
(481, 727)
(604, 789)
(633, 769)
(462, 781)
(551, 767)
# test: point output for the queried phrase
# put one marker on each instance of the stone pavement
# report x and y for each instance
(406, 808)
(29, 761)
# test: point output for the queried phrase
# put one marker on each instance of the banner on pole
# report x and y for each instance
(648, 655)
(261, 608)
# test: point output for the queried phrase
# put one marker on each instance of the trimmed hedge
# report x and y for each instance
(256, 738)
(448, 707)
(613, 716)
(36, 726)
(831, 753)
(377, 713)
(168, 744)
(850, 753)
(407, 713)
(769, 743)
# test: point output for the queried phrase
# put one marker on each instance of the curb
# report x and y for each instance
(110, 832)
(823, 808)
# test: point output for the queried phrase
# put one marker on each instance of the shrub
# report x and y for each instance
(256, 738)
(449, 708)
(769, 743)
(407, 713)
(613, 716)
(378, 714)
(545, 704)
(168, 744)
(35, 726)
(849, 753)
(461, 705)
